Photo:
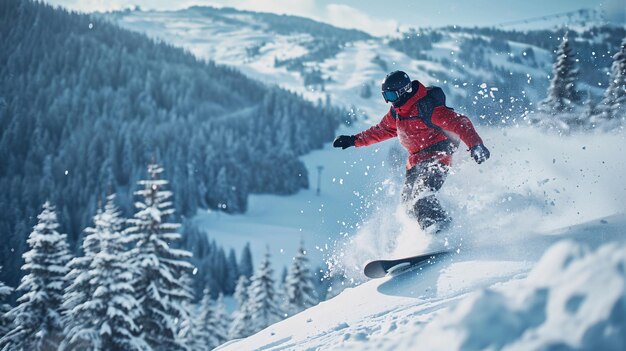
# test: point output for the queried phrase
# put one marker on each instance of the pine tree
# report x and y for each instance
(281, 294)
(159, 285)
(584, 120)
(223, 320)
(220, 270)
(232, 273)
(562, 93)
(198, 333)
(263, 305)
(245, 265)
(100, 304)
(613, 105)
(37, 317)
(241, 290)
(209, 325)
(283, 276)
(190, 331)
(299, 287)
(80, 289)
(5, 320)
(240, 326)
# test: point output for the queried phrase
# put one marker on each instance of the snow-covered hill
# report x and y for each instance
(493, 73)
(492, 298)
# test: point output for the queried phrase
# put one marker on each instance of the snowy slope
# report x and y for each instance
(534, 182)
(508, 211)
(494, 297)
(537, 190)
(250, 46)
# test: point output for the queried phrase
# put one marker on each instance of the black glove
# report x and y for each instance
(479, 153)
(344, 141)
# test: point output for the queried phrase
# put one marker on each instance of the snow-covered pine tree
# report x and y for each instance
(232, 273)
(80, 290)
(159, 285)
(283, 276)
(241, 290)
(5, 320)
(262, 302)
(245, 263)
(281, 293)
(223, 320)
(194, 331)
(100, 306)
(299, 288)
(37, 316)
(188, 330)
(562, 93)
(613, 105)
(240, 326)
(208, 323)
(219, 267)
(584, 119)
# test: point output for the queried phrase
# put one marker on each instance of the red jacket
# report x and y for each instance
(417, 134)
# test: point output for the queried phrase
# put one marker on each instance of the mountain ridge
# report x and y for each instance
(514, 65)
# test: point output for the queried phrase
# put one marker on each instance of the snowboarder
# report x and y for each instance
(430, 132)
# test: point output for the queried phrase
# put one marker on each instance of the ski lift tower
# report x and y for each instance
(319, 179)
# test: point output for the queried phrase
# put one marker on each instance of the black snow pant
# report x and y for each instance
(421, 183)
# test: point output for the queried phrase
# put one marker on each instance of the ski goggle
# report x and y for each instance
(394, 95)
(390, 96)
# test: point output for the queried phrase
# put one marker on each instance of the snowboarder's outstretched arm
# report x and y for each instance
(384, 130)
(460, 125)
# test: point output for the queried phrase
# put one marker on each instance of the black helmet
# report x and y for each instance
(396, 88)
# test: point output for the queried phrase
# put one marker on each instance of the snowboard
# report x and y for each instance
(382, 268)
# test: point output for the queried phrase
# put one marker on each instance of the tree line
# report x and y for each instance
(131, 289)
(84, 105)
(567, 108)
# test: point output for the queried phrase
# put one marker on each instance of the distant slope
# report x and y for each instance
(279, 24)
(492, 74)
(84, 105)
(233, 37)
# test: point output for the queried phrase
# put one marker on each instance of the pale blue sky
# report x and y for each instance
(383, 16)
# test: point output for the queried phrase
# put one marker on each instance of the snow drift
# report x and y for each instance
(574, 298)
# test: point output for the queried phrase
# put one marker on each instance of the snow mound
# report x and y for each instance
(572, 299)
